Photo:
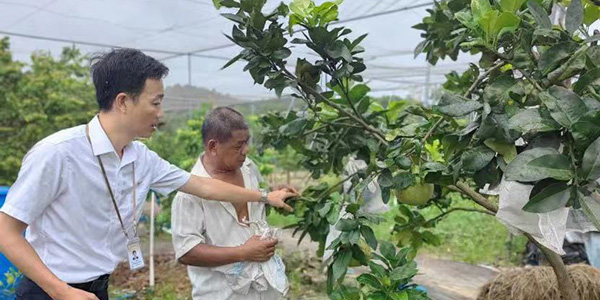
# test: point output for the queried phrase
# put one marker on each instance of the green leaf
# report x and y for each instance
(506, 22)
(511, 5)
(301, 8)
(454, 105)
(507, 150)
(369, 236)
(227, 3)
(358, 40)
(430, 238)
(548, 199)
(377, 269)
(294, 127)
(339, 50)
(282, 53)
(403, 180)
(539, 14)
(386, 178)
(591, 13)
(498, 91)
(586, 130)
(480, 8)
(346, 225)
(324, 210)
(233, 60)
(233, 17)
(590, 208)
(402, 295)
(370, 280)
(565, 106)
(555, 166)
(477, 158)
(404, 272)
(592, 77)
(551, 58)
(574, 17)
(340, 265)
(590, 166)
(387, 250)
(516, 170)
(358, 92)
(532, 120)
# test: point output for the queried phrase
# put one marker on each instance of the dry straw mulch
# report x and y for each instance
(539, 283)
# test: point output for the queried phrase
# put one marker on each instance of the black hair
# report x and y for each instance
(123, 70)
(220, 122)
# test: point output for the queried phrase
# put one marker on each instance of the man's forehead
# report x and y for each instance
(240, 133)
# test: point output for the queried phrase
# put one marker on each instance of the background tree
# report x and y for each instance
(39, 99)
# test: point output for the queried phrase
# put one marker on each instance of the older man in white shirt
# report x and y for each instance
(80, 191)
(209, 235)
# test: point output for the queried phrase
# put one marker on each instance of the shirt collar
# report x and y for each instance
(101, 144)
(200, 170)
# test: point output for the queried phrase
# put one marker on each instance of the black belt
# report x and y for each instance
(99, 284)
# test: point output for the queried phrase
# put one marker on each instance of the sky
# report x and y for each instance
(166, 28)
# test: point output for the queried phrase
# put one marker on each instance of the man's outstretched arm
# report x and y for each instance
(214, 189)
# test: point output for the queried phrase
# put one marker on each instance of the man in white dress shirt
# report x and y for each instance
(80, 191)
(208, 234)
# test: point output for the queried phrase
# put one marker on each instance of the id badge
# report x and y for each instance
(134, 252)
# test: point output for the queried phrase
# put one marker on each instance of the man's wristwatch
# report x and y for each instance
(263, 196)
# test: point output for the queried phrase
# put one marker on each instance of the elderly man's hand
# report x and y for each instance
(277, 198)
(258, 250)
(283, 186)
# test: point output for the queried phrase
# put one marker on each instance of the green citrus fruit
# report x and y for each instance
(417, 194)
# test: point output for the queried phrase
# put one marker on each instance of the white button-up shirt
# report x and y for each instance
(61, 193)
(198, 221)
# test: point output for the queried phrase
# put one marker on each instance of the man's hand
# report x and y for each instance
(258, 250)
(284, 186)
(277, 198)
(71, 293)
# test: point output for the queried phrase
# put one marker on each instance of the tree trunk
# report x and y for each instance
(565, 283)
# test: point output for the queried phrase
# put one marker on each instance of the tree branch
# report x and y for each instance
(525, 74)
(432, 129)
(482, 77)
(475, 196)
(378, 134)
(329, 190)
(444, 214)
(348, 98)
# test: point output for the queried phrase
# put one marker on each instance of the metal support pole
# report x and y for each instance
(425, 100)
(153, 202)
(189, 69)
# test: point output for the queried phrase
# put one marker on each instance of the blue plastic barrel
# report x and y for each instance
(8, 273)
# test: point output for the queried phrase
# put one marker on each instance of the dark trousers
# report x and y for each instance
(29, 290)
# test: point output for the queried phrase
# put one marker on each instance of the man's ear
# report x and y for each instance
(120, 103)
(211, 146)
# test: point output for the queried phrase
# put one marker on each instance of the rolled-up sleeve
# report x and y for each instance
(166, 177)
(187, 223)
(38, 184)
